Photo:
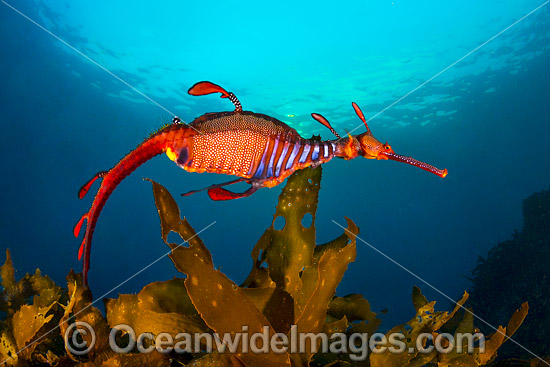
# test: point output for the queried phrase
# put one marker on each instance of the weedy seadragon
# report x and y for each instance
(258, 149)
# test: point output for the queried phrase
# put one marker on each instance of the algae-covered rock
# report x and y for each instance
(514, 271)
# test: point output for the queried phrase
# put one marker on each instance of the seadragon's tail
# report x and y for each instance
(158, 143)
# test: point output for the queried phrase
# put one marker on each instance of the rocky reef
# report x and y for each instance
(291, 287)
(518, 270)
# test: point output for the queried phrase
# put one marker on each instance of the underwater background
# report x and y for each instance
(485, 119)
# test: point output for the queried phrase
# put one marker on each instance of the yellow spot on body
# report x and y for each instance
(214, 303)
(220, 286)
(171, 154)
(194, 280)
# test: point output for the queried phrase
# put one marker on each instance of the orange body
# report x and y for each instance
(256, 147)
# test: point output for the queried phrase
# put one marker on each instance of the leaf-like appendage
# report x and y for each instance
(259, 275)
(8, 349)
(79, 309)
(167, 296)
(335, 326)
(276, 305)
(309, 273)
(8, 274)
(502, 334)
(221, 303)
(464, 358)
(160, 307)
(425, 321)
(291, 248)
(428, 321)
(418, 299)
(337, 243)
(516, 320)
(15, 293)
(330, 270)
(354, 307)
(28, 324)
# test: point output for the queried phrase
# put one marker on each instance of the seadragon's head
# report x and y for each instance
(369, 147)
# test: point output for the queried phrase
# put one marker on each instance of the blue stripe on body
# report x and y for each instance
(302, 159)
(281, 159)
(273, 154)
(261, 166)
(315, 154)
(293, 156)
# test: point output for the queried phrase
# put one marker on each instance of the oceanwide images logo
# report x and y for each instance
(80, 339)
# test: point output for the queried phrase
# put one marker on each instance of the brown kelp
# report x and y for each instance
(291, 288)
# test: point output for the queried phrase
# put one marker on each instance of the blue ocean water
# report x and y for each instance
(484, 118)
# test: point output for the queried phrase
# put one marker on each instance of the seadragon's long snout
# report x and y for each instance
(413, 162)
